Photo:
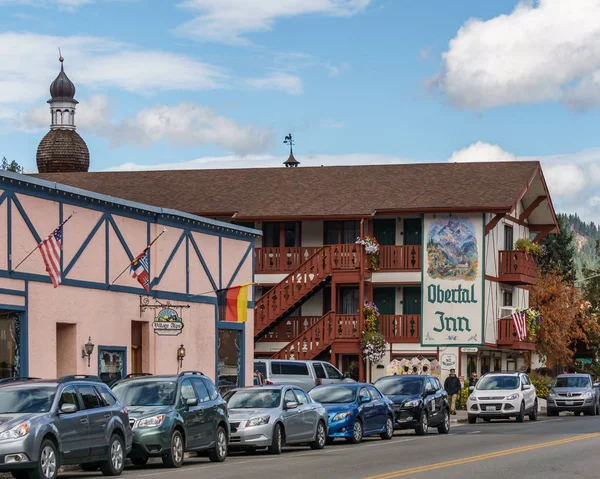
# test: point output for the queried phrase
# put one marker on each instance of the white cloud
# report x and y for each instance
(227, 21)
(548, 50)
(276, 81)
(481, 151)
(335, 71)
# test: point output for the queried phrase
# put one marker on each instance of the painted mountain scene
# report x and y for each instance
(452, 249)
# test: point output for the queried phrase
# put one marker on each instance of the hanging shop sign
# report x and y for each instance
(453, 279)
(469, 350)
(168, 323)
(448, 361)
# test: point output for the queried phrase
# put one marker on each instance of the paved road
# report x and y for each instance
(550, 448)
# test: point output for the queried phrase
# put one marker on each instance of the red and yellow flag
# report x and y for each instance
(233, 304)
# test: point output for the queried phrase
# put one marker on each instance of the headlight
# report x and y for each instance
(153, 421)
(414, 403)
(551, 395)
(587, 395)
(472, 397)
(342, 415)
(16, 432)
(258, 421)
(512, 396)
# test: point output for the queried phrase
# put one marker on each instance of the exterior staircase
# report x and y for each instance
(303, 282)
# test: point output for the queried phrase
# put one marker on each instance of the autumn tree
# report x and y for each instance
(566, 315)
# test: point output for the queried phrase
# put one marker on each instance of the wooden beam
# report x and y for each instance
(543, 233)
(492, 224)
(542, 227)
(534, 204)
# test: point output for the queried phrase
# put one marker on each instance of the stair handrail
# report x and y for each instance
(305, 332)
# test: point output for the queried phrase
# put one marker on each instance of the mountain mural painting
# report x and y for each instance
(453, 280)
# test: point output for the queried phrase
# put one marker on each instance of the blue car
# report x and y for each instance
(355, 411)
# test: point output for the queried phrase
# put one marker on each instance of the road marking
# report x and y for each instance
(474, 432)
(482, 457)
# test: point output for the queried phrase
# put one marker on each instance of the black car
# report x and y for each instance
(419, 402)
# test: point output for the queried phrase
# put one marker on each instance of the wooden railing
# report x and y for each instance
(310, 343)
(347, 256)
(507, 335)
(516, 267)
(289, 328)
(401, 328)
(400, 258)
(281, 260)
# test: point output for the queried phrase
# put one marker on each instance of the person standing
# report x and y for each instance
(452, 387)
(473, 381)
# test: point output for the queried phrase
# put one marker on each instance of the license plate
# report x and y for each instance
(490, 408)
(569, 403)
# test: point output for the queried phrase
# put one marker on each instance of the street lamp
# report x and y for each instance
(180, 355)
(87, 350)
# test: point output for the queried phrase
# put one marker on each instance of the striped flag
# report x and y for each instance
(140, 269)
(520, 321)
(233, 303)
(51, 249)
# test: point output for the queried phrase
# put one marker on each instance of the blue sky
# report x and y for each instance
(219, 83)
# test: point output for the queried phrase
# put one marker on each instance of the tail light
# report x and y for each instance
(268, 383)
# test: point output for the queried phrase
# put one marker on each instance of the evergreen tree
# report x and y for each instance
(12, 166)
(559, 251)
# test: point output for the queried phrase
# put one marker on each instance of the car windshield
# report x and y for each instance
(492, 383)
(400, 386)
(333, 395)
(573, 382)
(264, 398)
(146, 393)
(20, 400)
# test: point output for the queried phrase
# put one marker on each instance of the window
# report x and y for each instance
(271, 237)
(201, 390)
(212, 391)
(332, 373)
(508, 238)
(291, 234)
(507, 297)
(341, 232)
(90, 398)
(289, 397)
(276, 234)
(69, 396)
(111, 364)
(289, 368)
(319, 371)
(375, 394)
(187, 391)
(302, 397)
(364, 394)
(434, 385)
(106, 395)
(428, 386)
(261, 367)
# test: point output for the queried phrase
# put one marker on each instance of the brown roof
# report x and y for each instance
(318, 191)
(62, 150)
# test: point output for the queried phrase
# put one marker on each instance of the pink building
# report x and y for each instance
(44, 330)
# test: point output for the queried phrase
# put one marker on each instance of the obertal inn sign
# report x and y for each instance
(453, 280)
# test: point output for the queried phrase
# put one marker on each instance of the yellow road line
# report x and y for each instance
(482, 457)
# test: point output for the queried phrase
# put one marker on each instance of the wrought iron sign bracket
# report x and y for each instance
(145, 305)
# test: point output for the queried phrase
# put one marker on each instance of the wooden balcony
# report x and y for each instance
(507, 337)
(517, 267)
(401, 328)
(395, 258)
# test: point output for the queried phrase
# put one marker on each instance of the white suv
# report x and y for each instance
(501, 395)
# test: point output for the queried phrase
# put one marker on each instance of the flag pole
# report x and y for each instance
(38, 245)
(129, 265)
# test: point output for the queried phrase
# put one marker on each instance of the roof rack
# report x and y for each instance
(78, 377)
(137, 375)
(185, 373)
(8, 380)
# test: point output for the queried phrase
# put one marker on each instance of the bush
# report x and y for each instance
(525, 244)
(541, 384)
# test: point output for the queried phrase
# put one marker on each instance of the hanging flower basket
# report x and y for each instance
(371, 249)
(533, 321)
(372, 341)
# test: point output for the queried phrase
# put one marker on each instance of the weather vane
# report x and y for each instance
(289, 141)
(291, 161)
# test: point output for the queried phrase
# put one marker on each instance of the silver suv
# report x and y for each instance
(573, 392)
(304, 374)
(45, 424)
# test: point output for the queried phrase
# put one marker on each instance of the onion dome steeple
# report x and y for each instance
(62, 149)
(291, 162)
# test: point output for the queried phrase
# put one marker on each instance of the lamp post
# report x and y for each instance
(87, 350)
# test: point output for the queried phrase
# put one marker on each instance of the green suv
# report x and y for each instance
(170, 415)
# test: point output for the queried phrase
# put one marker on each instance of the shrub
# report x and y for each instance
(525, 244)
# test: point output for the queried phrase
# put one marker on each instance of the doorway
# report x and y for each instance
(349, 365)
(385, 231)
(413, 228)
(66, 349)
(385, 300)
(411, 300)
(10, 344)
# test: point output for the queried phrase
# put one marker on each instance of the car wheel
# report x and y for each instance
(219, 453)
(357, 432)
(423, 427)
(389, 429)
(320, 437)
(116, 457)
(48, 465)
(444, 427)
(277, 440)
(521, 416)
(551, 412)
(592, 412)
(89, 467)
(534, 413)
(174, 458)
(139, 461)
(472, 419)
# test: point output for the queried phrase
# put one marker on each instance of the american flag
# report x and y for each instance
(520, 321)
(140, 269)
(51, 249)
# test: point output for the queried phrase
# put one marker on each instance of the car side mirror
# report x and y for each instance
(291, 405)
(597, 385)
(191, 402)
(364, 399)
(68, 409)
(471, 389)
(526, 387)
(549, 385)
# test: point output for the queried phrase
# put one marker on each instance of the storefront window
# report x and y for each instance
(229, 359)
(9, 345)
(111, 364)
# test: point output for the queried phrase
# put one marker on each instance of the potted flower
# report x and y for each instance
(371, 249)
(372, 341)
(529, 247)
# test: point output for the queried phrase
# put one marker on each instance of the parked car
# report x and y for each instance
(502, 395)
(573, 392)
(304, 374)
(419, 402)
(275, 416)
(45, 424)
(355, 411)
(170, 415)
